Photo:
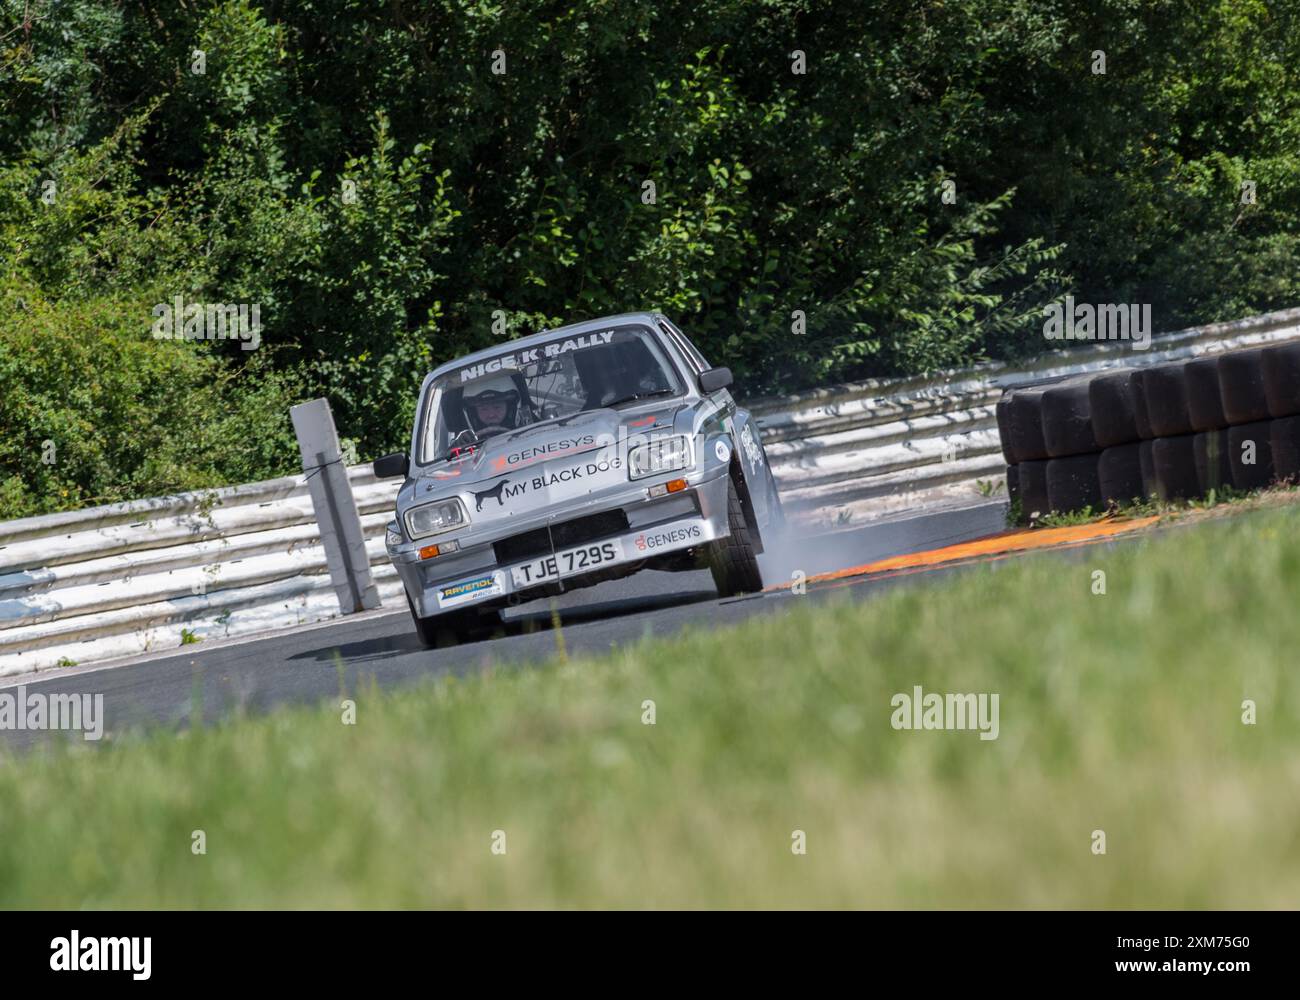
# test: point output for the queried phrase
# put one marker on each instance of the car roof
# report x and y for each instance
(573, 329)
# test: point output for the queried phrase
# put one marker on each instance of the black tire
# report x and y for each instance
(452, 628)
(1241, 384)
(1119, 474)
(1147, 461)
(1024, 422)
(426, 629)
(1113, 409)
(1282, 379)
(1259, 474)
(1213, 470)
(732, 560)
(1067, 421)
(1284, 435)
(1013, 483)
(1140, 416)
(1204, 403)
(1164, 389)
(1174, 460)
(1004, 435)
(1072, 483)
(1033, 489)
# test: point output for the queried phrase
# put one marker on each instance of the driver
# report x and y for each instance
(493, 408)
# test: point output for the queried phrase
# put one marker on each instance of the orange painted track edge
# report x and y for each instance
(1001, 544)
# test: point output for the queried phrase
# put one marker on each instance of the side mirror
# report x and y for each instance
(714, 379)
(390, 466)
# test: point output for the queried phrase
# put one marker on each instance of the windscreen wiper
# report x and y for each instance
(637, 395)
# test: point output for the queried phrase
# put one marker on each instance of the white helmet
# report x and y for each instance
(492, 403)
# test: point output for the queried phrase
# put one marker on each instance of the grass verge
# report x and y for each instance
(1120, 712)
(1222, 501)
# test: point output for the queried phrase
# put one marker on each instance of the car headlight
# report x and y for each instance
(661, 455)
(432, 518)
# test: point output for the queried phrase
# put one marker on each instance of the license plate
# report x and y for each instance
(566, 563)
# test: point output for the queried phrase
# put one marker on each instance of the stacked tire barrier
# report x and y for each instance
(1175, 431)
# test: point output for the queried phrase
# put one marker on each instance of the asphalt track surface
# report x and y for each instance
(301, 666)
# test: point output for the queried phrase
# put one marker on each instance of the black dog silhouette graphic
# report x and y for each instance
(495, 491)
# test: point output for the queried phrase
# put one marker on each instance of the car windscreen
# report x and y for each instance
(553, 379)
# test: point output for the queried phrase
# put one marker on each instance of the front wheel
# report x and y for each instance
(452, 628)
(732, 560)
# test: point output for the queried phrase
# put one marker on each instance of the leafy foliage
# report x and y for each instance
(361, 173)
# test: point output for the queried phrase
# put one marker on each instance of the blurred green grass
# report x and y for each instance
(1119, 712)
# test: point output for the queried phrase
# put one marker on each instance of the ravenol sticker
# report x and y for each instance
(470, 590)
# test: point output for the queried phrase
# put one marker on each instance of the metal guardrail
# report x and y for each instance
(89, 585)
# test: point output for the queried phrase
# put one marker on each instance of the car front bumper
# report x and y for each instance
(473, 576)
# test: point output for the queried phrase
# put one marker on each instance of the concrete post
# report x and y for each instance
(335, 507)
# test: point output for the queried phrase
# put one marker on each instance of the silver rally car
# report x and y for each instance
(571, 457)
